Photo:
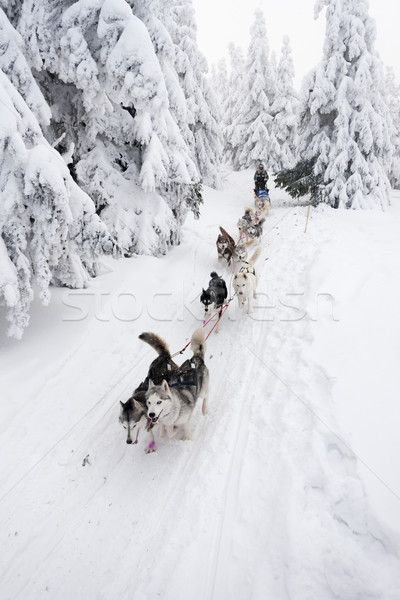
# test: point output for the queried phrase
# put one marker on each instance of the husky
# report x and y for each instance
(240, 254)
(245, 222)
(171, 405)
(225, 246)
(254, 231)
(215, 294)
(262, 207)
(245, 282)
(133, 411)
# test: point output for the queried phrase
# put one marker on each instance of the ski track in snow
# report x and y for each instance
(264, 502)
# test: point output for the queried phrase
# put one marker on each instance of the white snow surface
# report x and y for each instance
(268, 500)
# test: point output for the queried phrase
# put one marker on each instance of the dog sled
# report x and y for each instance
(263, 194)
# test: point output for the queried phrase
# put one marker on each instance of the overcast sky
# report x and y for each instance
(221, 21)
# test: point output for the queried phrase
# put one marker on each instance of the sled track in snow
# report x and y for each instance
(97, 405)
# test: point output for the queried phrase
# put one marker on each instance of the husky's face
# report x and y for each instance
(158, 400)
(241, 253)
(222, 243)
(241, 285)
(242, 223)
(131, 420)
(260, 204)
(252, 231)
(206, 299)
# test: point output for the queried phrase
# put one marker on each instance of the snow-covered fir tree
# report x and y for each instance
(157, 17)
(112, 117)
(110, 102)
(345, 121)
(253, 123)
(219, 84)
(14, 65)
(233, 137)
(205, 138)
(393, 100)
(49, 232)
(285, 109)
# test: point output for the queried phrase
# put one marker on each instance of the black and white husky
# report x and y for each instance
(133, 412)
(171, 405)
(215, 294)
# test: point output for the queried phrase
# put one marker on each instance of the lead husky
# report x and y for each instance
(171, 406)
(133, 411)
(245, 282)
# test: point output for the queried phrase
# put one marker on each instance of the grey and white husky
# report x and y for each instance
(133, 412)
(245, 282)
(171, 405)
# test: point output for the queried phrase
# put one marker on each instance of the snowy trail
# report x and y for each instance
(264, 502)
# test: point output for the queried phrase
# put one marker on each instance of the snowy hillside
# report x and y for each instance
(266, 501)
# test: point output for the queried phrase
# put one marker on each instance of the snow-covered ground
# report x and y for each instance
(268, 500)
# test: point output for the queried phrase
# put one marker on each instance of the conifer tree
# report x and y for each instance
(253, 124)
(49, 232)
(119, 114)
(94, 104)
(344, 118)
(205, 138)
(285, 110)
(233, 131)
(393, 100)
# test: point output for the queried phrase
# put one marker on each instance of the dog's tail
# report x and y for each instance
(248, 210)
(198, 343)
(155, 342)
(214, 274)
(255, 256)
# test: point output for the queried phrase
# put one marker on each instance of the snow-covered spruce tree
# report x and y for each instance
(345, 122)
(12, 9)
(233, 131)
(15, 67)
(393, 100)
(205, 139)
(285, 109)
(49, 232)
(253, 123)
(219, 84)
(111, 116)
(179, 195)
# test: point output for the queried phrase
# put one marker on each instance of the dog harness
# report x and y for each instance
(248, 269)
(186, 371)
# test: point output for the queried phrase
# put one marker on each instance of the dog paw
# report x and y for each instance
(150, 448)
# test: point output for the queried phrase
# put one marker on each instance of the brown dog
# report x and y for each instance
(225, 246)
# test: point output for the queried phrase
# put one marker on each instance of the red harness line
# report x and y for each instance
(223, 310)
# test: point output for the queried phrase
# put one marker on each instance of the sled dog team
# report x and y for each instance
(166, 398)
